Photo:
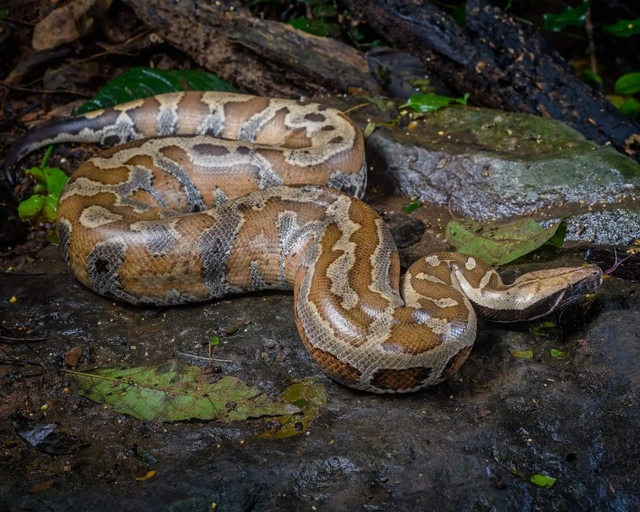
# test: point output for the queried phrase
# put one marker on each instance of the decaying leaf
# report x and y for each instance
(543, 329)
(521, 354)
(148, 475)
(309, 396)
(68, 23)
(558, 354)
(497, 245)
(175, 392)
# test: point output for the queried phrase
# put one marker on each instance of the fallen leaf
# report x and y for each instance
(68, 23)
(233, 327)
(309, 396)
(147, 476)
(500, 244)
(559, 354)
(73, 356)
(542, 480)
(42, 486)
(521, 354)
(175, 392)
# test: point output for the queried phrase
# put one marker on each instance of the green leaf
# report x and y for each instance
(51, 181)
(316, 27)
(30, 208)
(175, 392)
(623, 28)
(558, 354)
(630, 107)
(143, 82)
(49, 208)
(3, 13)
(459, 15)
(309, 396)
(544, 329)
(325, 11)
(628, 84)
(590, 76)
(504, 243)
(521, 354)
(424, 103)
(570, 17)
(215, 341)
(542, 480)
(411, 206)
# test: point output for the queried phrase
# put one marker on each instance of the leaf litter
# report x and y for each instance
(175, 392)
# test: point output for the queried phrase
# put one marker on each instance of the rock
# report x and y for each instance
(488, 164)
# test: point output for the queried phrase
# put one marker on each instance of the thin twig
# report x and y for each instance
(356, 107)
(205, 358)
(44, 91)
(13, 273)
(13, 338)
(588, 26)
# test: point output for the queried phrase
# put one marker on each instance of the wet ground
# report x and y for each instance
(472, 443)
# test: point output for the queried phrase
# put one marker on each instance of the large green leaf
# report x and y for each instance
(628, 84)
(175, 392)
(497, 245)
(144, 82)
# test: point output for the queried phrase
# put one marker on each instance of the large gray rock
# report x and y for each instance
(487, 164)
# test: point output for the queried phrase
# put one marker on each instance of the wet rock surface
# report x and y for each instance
(487, 164)
(471, 443)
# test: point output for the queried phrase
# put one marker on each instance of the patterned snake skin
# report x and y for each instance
(201, 205)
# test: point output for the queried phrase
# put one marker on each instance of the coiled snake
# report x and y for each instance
(201, 205)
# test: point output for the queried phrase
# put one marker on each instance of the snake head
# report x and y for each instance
(545, 291)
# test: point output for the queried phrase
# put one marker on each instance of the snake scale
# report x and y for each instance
(211, 194)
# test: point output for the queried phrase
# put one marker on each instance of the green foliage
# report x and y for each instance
(3, 13)
(411, 206)
(628, 84)
(630, 107)
(317, 27)
(544, 329)
(590, 76)
(570, 17)
(43, 204)
(521, 354)
(623, 28)
(175, 392)
(424, 103)
(143, 82)
(309, 396)
(542, 480)
(501, 244)
(558, 354)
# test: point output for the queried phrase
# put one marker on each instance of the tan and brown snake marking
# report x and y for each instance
(201, 207)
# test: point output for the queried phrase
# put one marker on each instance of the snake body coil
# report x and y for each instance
(200, 205)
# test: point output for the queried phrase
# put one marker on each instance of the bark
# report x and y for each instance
(263, 57)
(502, 63)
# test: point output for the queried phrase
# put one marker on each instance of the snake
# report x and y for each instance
(209, 194)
